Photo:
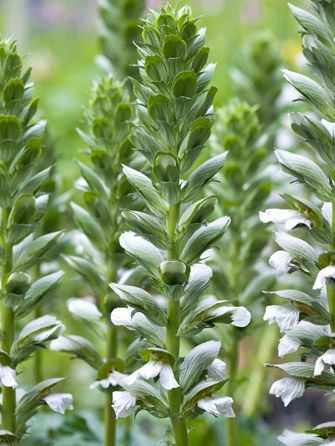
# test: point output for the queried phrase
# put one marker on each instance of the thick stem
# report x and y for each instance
(110, 420)
(255, 391)
(8, 332)
(172, 339)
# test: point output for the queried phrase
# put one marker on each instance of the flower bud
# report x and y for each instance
(18, 283)
(174, 272)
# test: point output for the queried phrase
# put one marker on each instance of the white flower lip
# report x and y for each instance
(217, 370)
(321, 278)
(285, 316)
(59, 402)
(83, 309)
(122, 317)
(288, 389)
(8, 376)
(150, 370)
(123, 403)
(217, 406)
(280, 261)
(288, 217)
(287, 345)
(297, 439)
(328, 358)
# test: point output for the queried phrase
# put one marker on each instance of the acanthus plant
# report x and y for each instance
(100, 258)
(23, 205)
(119, 31)
(307, 235)
(174, 121)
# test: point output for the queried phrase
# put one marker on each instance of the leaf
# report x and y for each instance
(201, 176)
(37, 292)
(141, 301)
(150, 397)
(185, 84)
(143, 251)
(145, 187)
(307, 172)
(203, 238)
(198, 281)
(201, 390)
(80, 348)
(93, 180)
(31, 251)
(196, 362)
(89, 225)
(88, 270)
(298, 249)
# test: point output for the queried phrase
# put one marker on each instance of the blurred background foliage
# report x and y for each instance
(60, 40)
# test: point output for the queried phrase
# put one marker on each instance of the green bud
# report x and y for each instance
(18, 283)
(174, 272)
(165, 168)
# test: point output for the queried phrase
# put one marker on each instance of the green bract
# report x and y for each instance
(119, 30)
(23, 204)
(169, 240)
(307, 318)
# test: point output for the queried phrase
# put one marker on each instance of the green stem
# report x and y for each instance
(38, 374)
(255, 391)
(8, 332)
(110, 420)
(231, 434)
(172, 339)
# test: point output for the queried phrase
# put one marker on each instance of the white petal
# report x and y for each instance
(325, 273)
(296, 439)
(280, 261)
(217, 406)
(287, 345)
(123, 403)
(166, 378)
(59, 402)
(285, 316)
(217, 370)
(289, 217)
(105, 383)
(8, 376)
(122, 317)
(328, 358)
(288, 389)
(327, 212)
(240, 316)
(83, 309)
(150, 370)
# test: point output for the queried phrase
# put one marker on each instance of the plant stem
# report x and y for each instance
(8, 332)
(38, 374)
(254, 392)
(172, 338)
(231, 434)
(110, 420)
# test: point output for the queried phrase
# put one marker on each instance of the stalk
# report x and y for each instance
(172, 338)
(231, 434)
(110, 420)
(8, 331)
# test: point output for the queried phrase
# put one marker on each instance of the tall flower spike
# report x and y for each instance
(105, 193)
(313, 309)
(174, 121)
(22, 205)
(119, 30)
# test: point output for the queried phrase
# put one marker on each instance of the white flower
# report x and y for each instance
(330, 126)
(8, 376)
(296, 439)
(287, 345)
(217, 370)
(280, 261)
(285, 316)
(327, 212)
(83, 309)
(240, 316)
(122, 317)
(217, 406)
(328, 358)
(105, 383)
(152, 369)
(290, 218)
(59, 402)
(321, 278)
(123, 403)
(288, 389)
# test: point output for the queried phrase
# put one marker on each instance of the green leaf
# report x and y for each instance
(78, 347)
(203, 238)
(174, 47)
(145, 187)
(87, 269)
(185, 84)
(196, 362)
(89, 224)
(141, 301)
(306, 171)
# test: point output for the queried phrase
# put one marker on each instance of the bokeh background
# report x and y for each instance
(59, 39)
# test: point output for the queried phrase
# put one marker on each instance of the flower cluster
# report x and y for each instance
(23, 203)
(174, 121)
(307, 230)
